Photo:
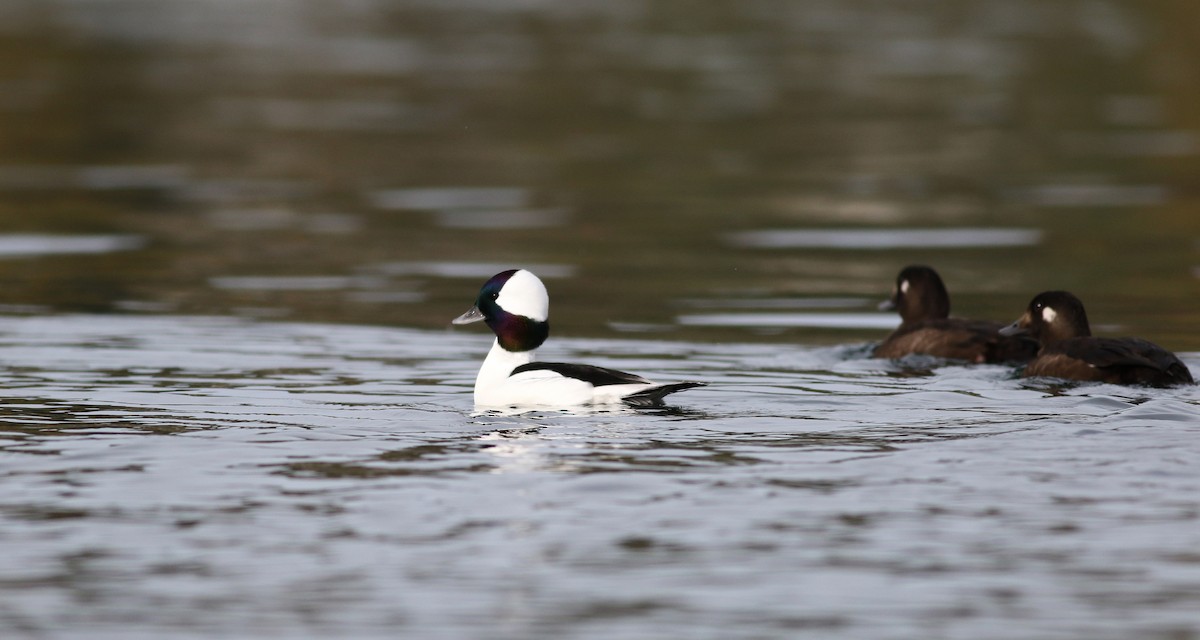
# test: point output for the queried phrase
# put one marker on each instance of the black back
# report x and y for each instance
(596, 376)
(601, 376)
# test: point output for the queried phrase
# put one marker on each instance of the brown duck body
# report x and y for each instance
(977, 341)
(1115, 360)
(927, 328)
(1068, 350)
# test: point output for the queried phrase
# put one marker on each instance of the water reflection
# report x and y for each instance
(1094, 195)
(360, 162)
(820, 320)
(876, 239)
(775, 303)
(451, 198)
(483, 270)
(100, 177)
(285, 219)
(301, 141)
(527, 219)
(26, 245)
(296, 283)
(315, 115)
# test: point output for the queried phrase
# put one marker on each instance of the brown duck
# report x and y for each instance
(927, 328)
(1057, 320)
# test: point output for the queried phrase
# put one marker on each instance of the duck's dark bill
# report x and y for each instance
(474, 315)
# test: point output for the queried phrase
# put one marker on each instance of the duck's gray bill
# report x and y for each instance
(474, 315)
(887, 305)
(1014, 329)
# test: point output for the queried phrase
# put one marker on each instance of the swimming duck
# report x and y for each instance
(1068, 350)
(927, 328)
(516, 306)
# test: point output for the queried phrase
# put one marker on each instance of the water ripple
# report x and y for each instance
(177, 468)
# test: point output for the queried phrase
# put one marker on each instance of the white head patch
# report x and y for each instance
(525, 295)
(1048, 315)
(904, 286)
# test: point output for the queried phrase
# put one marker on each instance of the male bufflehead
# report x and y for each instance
(1068, 349)
(515, 305)
(926, 325)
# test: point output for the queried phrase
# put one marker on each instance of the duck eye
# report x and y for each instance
(495, 294)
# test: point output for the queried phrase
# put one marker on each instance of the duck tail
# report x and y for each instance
(653, 396)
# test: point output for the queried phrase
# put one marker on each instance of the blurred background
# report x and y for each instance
(746, 170)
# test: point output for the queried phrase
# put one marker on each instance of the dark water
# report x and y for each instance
(312, 160)
(232, 234)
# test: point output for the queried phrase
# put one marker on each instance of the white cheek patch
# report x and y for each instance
(525, 295)
(904, 287)
(1048, 315)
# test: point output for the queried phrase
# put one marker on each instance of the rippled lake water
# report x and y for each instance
(211, 476)
(232, 233)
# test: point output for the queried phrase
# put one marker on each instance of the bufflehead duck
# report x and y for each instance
(1068, 349)
(515, 305)
(927, 328)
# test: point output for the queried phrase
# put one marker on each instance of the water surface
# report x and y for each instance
(195, 476)
(232, 234)
(361, 162)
